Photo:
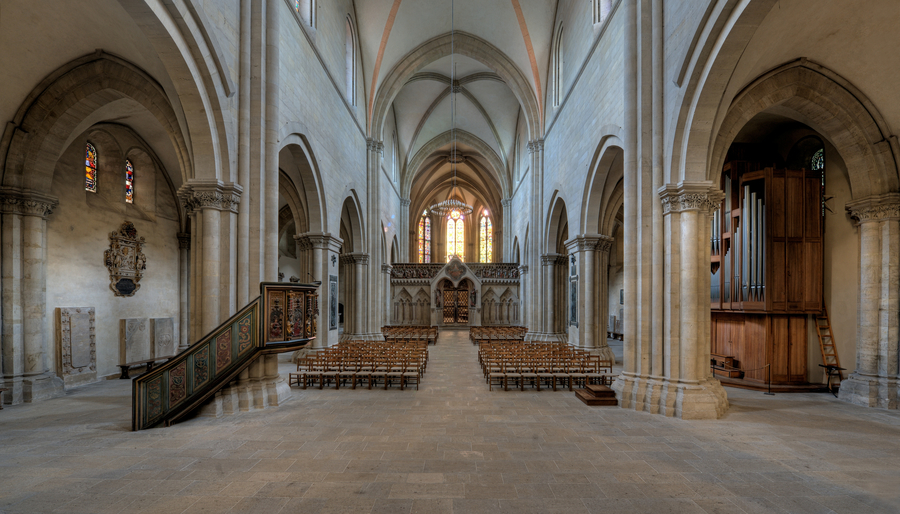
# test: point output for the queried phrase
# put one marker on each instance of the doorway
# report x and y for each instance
(456, 305)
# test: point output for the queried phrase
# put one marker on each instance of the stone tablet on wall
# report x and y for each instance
(332, 302)
(162, 334)
(134, 340)
(77, 346)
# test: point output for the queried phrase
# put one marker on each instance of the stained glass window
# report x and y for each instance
(90, 168)
(424, 238)
(456, 239)
(129, 182)
(486, 237)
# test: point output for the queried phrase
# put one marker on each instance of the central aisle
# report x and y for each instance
(453, 365)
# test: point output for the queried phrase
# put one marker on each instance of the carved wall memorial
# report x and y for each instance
(125, 260)
(332, 302)
(77, 345)
(162, 334)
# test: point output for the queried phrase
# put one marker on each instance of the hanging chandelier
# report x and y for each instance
(452, 207)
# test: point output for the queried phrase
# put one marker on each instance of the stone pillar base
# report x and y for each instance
(869, 391)
(247, 395)
(604, 351)
(14, 395)
(42, 387)
(704, 400)
(550, 337)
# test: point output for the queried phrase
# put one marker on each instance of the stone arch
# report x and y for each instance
(306, 177)
(352, 223)
(718, 44)
(466, 44)
(557, 218)
(497, 169)
(62, 103)
(824, 101)
(607, 171)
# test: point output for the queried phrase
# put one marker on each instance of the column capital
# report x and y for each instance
(319, 240)
(26, 202)
(523, 270)
(506, 203)
(404, 202)
(184, 240)
(550, 259)
(590, 243)
(701, 196)
(199, 194)
(536, 145)
(374, 145)
(875, 208)
(354, 258)
(386, 268)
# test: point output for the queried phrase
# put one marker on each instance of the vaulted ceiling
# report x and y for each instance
(487, 111)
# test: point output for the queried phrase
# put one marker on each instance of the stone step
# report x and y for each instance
(585, 396)
(600, 391)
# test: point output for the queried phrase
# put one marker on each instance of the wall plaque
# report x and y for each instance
(125, 260)
(162, 335)
(134, 340)
(332, 302)
(77, 345)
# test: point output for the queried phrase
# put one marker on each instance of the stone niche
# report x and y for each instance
(77, 345)
(134, 340)
(162, 335)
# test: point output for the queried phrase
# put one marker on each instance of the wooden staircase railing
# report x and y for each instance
(282, 319)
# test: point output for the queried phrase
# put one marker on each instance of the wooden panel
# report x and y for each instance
(754, 355)
(812, 209)
(776, 280)
(777, 348)
(813, 271)
(797, 349)
(775, 208)
(795, 272)
(793, 197)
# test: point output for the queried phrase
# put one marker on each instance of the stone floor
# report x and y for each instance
(452, 446)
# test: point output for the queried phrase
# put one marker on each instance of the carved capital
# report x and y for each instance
(386, 268)
(536, 146)
(404, 202)
(523, 270)
(550, 259)
(589, 243)
(691, 196)
(875, 208)
(373, 145)
(506, 203)
(320, 240)
(26, 203)
(184, 240)
(355, 258)
(201, 194)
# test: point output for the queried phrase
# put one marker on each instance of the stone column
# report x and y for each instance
(591, 252)
(549, 305)
(25, 347)
(386, 293)
(355, 303)
(535, 303)
(686, 388)
(323, 249)
(372, 319)
(506, 253)
(876, 380)
(184, 273)
(211, 201)
(406, 229)
(523, 276)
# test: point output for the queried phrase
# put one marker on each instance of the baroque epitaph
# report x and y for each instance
(125, 260)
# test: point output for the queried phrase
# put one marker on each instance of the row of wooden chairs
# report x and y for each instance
(359, 362)
(540, 363)
(488, 334)
(410, 333)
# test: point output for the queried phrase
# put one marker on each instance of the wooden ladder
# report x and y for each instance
(826, 340)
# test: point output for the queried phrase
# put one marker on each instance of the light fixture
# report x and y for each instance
(451, 206)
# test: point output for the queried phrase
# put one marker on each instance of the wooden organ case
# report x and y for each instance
(767, 269)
